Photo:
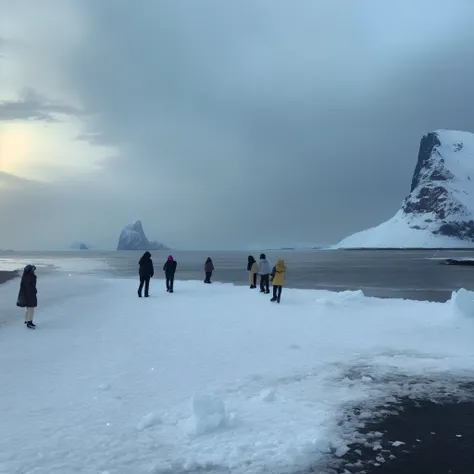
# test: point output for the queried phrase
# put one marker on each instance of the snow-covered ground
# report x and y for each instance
(212, 377)
(398, 232)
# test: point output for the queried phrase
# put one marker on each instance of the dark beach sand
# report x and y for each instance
(7, 276)
(438, 438)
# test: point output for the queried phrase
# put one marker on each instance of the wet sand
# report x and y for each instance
(7, 276)
(421, 437)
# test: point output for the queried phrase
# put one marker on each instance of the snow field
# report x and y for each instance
(212, 377)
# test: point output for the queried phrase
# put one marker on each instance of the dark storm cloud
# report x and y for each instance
(33, 106)
(263, 122)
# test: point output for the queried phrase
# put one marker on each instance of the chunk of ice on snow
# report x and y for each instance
(209, 415)
(148, 420)
(462, 302)
(268, 395)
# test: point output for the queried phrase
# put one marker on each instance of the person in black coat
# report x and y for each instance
(208, 269)
(27, 296)
(146, 272)
(170, 269)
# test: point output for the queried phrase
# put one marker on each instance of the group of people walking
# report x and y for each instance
(146, 272)
(27, 295)
(262, 269)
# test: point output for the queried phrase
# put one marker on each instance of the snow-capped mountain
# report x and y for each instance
(439, 211)
(133, 237)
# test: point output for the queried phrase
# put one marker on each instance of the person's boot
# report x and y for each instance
(273, 299)
(30, 325)
(139, 294)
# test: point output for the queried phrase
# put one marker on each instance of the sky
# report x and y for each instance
(221, 125)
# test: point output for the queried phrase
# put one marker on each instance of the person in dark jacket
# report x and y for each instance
(252, 267)
(146, 272)
(170, 269)
(27, 296)
(208, 269)
(264, 271)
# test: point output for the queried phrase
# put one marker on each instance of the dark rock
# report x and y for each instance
(428, 194)
(79, 246)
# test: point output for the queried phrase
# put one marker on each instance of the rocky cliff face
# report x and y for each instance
(133, 237)
(439, 210)
(441, 190)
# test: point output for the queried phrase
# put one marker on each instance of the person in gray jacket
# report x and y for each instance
(264, 271)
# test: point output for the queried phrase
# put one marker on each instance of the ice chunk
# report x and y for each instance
(462, 302)
(209, 414)
(148, 420)
(268, 395)
(396, 444)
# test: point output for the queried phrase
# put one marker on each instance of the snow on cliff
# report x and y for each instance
(133, 237)
(439, 211)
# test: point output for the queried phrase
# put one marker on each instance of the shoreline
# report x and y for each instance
(8, 275)
(420, 435)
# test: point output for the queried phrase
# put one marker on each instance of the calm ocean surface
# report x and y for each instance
(415, 274)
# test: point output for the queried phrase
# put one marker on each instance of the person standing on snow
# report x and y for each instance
(27, 296)
(208, 269)
(146, 272)
(278, 279)
(252, 268)
(170, 269)
(264, 270)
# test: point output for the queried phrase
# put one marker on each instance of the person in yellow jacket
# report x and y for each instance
(278, 279)
(252, 267)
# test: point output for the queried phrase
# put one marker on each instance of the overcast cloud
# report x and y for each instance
(228, 124)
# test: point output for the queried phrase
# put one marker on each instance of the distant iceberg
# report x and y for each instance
(133, 237)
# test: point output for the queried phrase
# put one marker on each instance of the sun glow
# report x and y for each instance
(48, 152)
(15, 146)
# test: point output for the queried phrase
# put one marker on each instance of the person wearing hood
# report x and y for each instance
(170, 269)
(27, 296)
(252, 267)
(208, 269)
(146, 272)
(278, 279)
(264, 271)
